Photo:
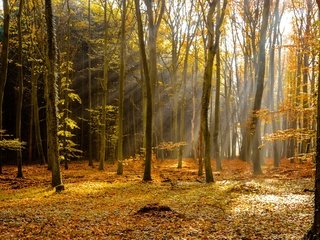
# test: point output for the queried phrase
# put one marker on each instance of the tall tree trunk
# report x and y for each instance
(276, 152)
(305, 74)
(206, 94)
(20, 91)
(121, 87)
(35, 113)
(194, 96)
(255, 126)
(153, 27)
(4, 65)
(217, 114)
(213, 44)
(183, 105)
(52, 109)
(46, 93)
(147, 82)
(89, 87)
(104, 85)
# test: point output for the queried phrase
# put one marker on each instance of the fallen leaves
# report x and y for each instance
(102, 205)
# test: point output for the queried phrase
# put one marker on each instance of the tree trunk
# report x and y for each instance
(89, 87)
(20, 91)
(4, 64)
(276, 153)
(217, 115)
(154, 21)
(102, 155)
(200, 153)
(147, 81)
(121, 87)
(35, 113)
(206, 94)
(52, 110)
(183, 104)
(255, 126)
(194, 96)
(305, 74)
(213, 44)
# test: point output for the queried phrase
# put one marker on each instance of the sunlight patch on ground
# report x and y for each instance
(31, 193)
(91, 187)
(286, 199)
(271, 202)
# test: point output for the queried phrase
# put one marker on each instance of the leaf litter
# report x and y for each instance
(176, 205)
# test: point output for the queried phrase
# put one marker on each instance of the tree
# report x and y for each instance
(147, 83)
(155, 11)
(121, 87)
(89, 85)
(20, 90)
(273, 38)
(52, 124)
(217, 103)
(4, 62)
(104, 85)
(190, 34)
(212, 48)
(255, 137)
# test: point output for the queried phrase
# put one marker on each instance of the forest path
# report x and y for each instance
(101, 205)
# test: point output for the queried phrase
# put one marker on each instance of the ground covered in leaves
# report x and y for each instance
(177, 204)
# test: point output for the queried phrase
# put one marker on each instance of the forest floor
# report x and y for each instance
(177, 204)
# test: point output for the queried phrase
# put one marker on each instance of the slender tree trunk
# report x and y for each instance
(66, 109)
(206, 94)
(183, 104)
(154, 21)
(4, 65)
(276, 153)
(200, 153)
(31, 121)
(46, 93)
(255, 126)
(20, 92)
(104, 84)
(35, 113)
(305, 74)
(121, 87)
(147, 80)
(217, 115)
(194, 96)
(52, 110)
(89, 87)
(213, 44)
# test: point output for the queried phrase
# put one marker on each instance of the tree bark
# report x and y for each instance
(276, 152)
(213, 44)
(89, 87)
(121, 87)
(4, 64)
(206, 94)
(20, 91)
(255, 126)
(35, 113)
(52, 109)
(147, 82)
(104, 85)
(153, 27)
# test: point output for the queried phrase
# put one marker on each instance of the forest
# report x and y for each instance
(160, 119)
